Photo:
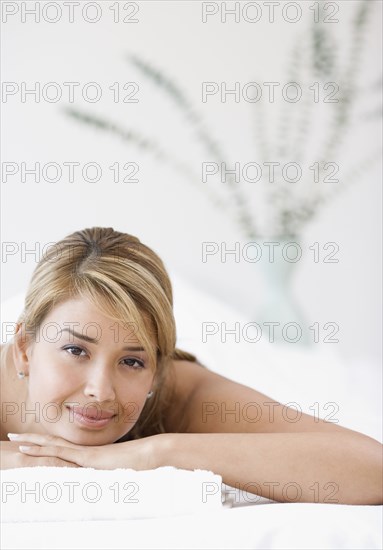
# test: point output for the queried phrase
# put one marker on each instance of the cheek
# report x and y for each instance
(51, 382)
(132, 398)
(50, 389)
(134, 384)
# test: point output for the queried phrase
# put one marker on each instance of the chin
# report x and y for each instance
(82, 437)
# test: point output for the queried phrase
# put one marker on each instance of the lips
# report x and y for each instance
(92, 413)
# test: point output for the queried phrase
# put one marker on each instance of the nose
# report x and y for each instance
(99, 384)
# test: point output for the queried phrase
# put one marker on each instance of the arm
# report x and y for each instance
(249, 438)
(287, 467)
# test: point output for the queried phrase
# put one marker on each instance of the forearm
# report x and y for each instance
(287, 467)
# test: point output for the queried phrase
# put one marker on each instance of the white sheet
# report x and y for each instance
(278, 526)
(67, 494)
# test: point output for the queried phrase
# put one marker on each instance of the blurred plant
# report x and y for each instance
(289, 211)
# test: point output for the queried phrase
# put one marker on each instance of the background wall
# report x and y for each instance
(164, 209)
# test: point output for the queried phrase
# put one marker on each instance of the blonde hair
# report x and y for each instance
(125, 280)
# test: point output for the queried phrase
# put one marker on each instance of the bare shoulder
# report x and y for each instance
(187, 375)
(205, 401)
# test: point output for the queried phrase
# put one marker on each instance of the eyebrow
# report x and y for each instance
(95, 341)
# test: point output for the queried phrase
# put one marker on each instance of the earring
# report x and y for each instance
(149, 395)
(21, 375)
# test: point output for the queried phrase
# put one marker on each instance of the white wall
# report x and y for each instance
(163, 209)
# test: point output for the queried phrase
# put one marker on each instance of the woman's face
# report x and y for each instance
(88, 376)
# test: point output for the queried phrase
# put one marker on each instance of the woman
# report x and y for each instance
(92, 378)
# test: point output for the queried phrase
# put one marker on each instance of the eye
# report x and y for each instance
(140, 364)
(76, 348)
(131, 362)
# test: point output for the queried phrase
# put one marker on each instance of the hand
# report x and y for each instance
(11, 457)
(141, 454)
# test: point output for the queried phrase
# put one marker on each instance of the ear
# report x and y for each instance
(21, 350)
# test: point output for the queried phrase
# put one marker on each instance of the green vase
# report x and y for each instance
(278, 303)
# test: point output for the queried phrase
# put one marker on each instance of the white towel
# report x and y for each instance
(65, 494)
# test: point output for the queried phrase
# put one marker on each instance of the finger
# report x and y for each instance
(40, 439)
(52, 461)
(65, 453)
